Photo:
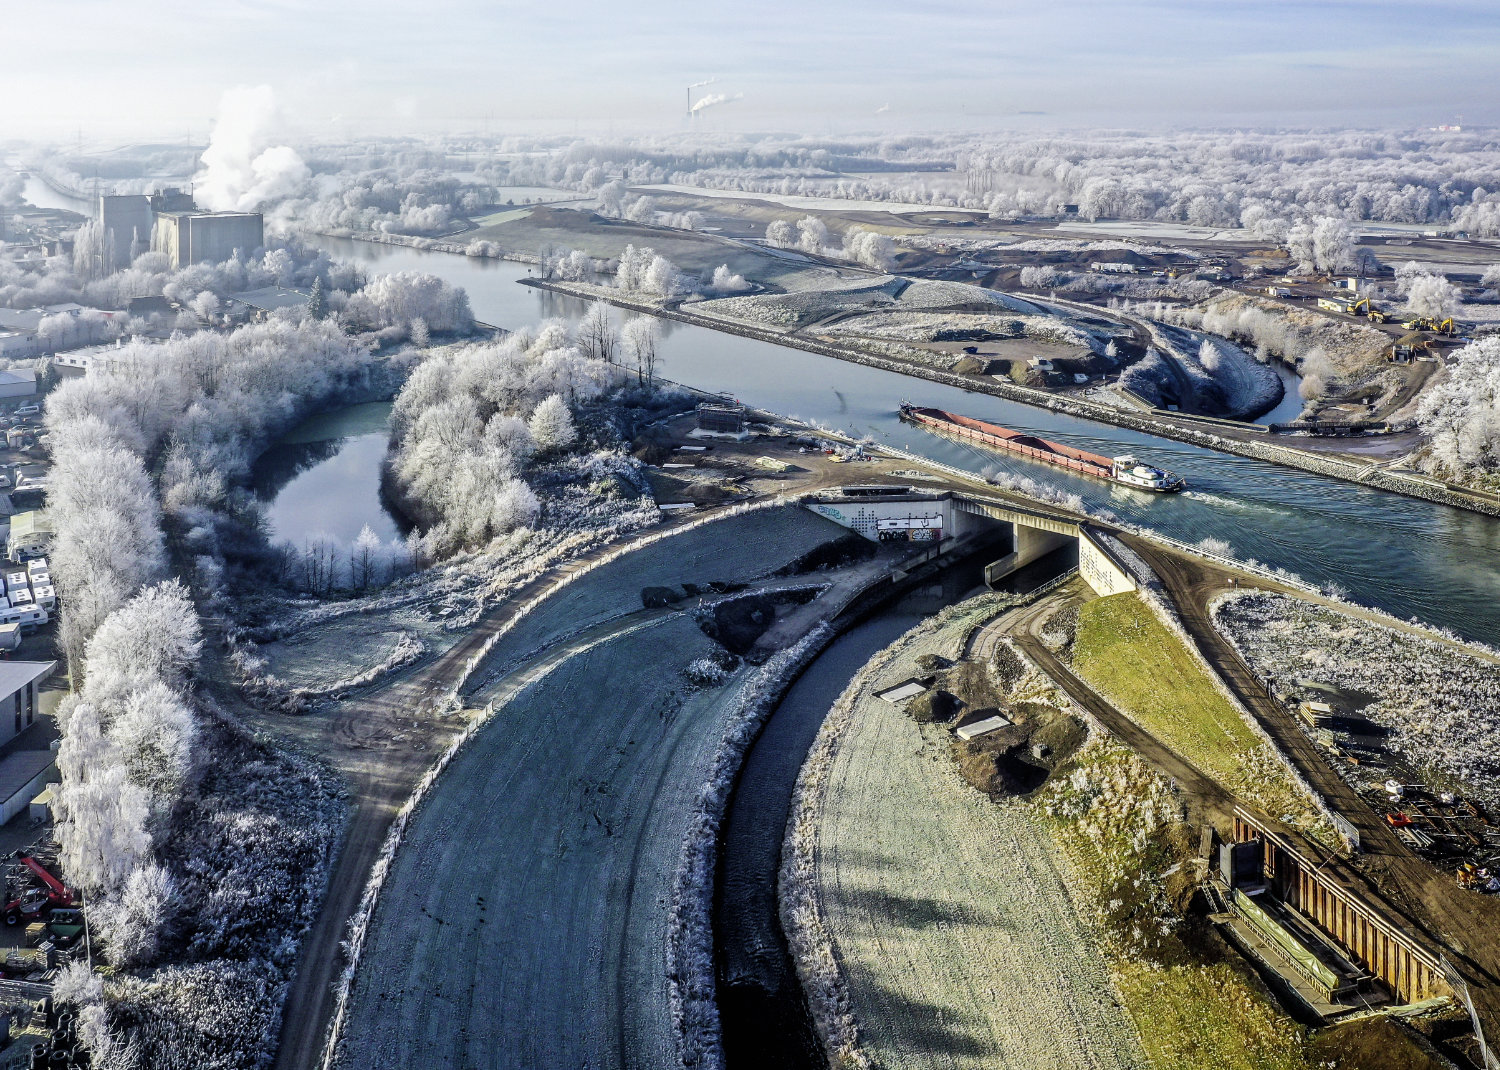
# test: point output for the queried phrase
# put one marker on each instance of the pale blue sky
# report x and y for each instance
(157, 66)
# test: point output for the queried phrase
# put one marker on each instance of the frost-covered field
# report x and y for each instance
(954, 296)
(1439, 701)
(524, 922)
(932, 326)
(958, 939)
(793, 310)
(306, 660)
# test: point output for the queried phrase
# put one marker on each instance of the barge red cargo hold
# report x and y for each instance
(1125, 470)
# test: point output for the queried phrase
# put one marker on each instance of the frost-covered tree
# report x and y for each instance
(154, 734)
(872, 249)
(132, 923)
(420, 336)
(611, 199)
(642, 336)
(1332, 244)
(1460, 412)
(596, 334)
(812, 234)
(365, 559)
(101, 812)
(397, 299)
(781, 233)
(1432, 295)
(644, 271)
(551, 425)
(153, 636)
(317, 300)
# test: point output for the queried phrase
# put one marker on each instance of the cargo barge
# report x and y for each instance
(1125, 470)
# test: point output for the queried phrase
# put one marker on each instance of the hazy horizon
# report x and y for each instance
(158, 70)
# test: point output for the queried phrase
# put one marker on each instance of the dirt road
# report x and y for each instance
(1466, 924)
(1212, 801)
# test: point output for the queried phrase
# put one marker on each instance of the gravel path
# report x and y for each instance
(524, 920)
(958, 939)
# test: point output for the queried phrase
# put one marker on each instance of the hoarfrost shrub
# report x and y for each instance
(725, 281)
(551, 425)
(708, 672)
(132, 923)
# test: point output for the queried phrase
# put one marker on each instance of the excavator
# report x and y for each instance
(1373, 314)
(1427, 323)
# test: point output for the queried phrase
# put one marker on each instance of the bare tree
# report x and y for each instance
(596, 334)
(641, 338)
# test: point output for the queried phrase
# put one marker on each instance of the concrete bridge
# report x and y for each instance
(884, 512)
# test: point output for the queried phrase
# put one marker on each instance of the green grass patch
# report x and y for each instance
(1126, 654)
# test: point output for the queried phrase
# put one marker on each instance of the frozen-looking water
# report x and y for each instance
(1410, 557)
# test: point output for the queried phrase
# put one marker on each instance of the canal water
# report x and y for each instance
(1410, 557)
(41, 195)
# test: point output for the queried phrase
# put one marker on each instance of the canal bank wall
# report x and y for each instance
(1371, 475)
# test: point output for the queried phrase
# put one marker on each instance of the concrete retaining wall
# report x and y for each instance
(1099, 568)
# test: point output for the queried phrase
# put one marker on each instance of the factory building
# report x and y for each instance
(192, 237)
(127, 224)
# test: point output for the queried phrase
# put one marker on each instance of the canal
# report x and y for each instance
(1410, 557)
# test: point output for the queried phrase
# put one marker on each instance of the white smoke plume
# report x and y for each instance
(700, 85)
(242, 169)
(713, 99)
(882, 109)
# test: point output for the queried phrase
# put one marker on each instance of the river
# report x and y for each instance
(41, 195)
(1410, 557)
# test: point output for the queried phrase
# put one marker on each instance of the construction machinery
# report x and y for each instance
(50, 893)
(1373, 314)
(1427, 323)
(1474, 878)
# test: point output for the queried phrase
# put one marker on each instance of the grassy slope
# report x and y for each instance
(1128, 656)
(1191, 1011)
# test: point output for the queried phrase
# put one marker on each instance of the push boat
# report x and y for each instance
(1125, 470)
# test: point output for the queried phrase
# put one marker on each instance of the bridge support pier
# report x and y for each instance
(1028, 545)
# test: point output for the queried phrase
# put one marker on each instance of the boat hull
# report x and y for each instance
(1032, 447)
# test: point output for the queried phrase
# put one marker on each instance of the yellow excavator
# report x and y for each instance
(1373, 314)
(1427, 323)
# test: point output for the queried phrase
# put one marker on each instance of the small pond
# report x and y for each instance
(323, 477)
